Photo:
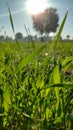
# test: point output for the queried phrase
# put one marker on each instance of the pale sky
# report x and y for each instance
(21, 16)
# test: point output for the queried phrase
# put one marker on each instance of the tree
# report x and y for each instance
(51, 20)
(2, 38)
(19, 36)
(47, 21)
(68, 36)
(38, 22)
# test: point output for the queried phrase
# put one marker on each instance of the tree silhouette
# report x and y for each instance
(2, 38)
(38, 22)
(19, 36)
(51, 20)
(68, 36)
(47, 21)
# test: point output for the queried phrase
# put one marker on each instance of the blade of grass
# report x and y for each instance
(27, 59)
(57, 38)
(10, 16)
(67, 60)
(12, 25)
(64, 85)
(26, 30)
(56, 79)
(29, 36)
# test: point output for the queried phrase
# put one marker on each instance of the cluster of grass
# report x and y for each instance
(36, 85)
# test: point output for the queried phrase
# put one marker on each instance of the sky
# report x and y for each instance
(22, 17)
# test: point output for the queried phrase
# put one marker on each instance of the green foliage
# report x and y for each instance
(35, 89)
(46, 21)
(10, 16)
(57, 38)
(36, 86)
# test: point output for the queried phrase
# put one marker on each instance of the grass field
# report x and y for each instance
(36, 84)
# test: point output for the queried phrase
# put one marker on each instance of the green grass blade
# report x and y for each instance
(57, 38)
(29, 36)
(67, 60)
(56, 74)
(27, 59)
(56, 79)
(26, 30)
(7, 100)
(60, 85)
(69, 117)
(61, 28)
(31, 39)
(10, 16)
(12, 25)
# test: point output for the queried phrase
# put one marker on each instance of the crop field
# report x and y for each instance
(36, 88)
(36, 84)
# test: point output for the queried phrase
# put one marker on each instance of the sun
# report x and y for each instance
(36, 6)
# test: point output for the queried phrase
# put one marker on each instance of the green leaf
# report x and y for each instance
(60, 30)
(57, 38)
(48, 113)
(56, 78)
(27, 59)
(26, 115)
(68, 102)
(58, 120)
(63, 85)
(70, 117)
(56, 75)
(67, 60)
(1, 115)
(6, 96)
(10, 16)
(26, 30)
(29, 36)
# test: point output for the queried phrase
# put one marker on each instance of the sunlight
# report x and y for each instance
(36, 6)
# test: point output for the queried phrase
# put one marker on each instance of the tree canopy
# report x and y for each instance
(19, 35)
(38, 22)
(46, 21)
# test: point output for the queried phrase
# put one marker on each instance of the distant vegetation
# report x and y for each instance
(46, 21)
